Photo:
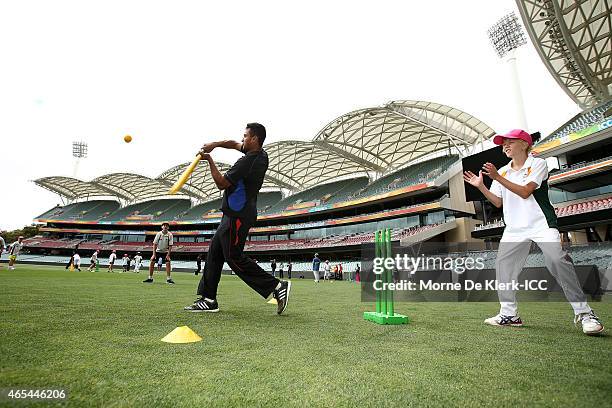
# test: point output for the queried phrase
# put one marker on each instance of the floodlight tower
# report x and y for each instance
(506, 36)
(79, 151)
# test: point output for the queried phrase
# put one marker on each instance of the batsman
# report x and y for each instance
(240, 185)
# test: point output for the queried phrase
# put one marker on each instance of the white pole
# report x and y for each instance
(75, 167)
(519, 106)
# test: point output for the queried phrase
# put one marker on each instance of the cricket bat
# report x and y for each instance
(185, 176)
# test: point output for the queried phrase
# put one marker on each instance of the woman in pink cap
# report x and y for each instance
(521, 187)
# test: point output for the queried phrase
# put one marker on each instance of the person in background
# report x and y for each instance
(289, 269)
(281, 269)
(357, 272)
(273, 267)
(13, 251)
(2, 244)
(76, 261)
(126, 263)
(162, 246)
(111, 260)
(137, 262)
(316, 263)
(326, 270)
(199, 264)
(93, 261)
(69, 261)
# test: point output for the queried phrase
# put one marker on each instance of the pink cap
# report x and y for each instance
(513, 134)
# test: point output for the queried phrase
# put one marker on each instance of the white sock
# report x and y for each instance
(209, 300)
(278, 286)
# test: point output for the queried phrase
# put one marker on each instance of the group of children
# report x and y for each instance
(75, 261)
(330, 272)
(281, 269)
(126, 261)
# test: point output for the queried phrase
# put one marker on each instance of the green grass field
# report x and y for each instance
(98, 335)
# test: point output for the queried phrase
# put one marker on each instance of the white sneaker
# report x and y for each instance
(590, 323)
(503, 320)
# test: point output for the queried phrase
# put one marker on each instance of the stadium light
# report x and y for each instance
(79, 150)
(506, 36)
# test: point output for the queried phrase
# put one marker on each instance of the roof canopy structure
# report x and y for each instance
(378, 139)
(574, 40)
(72, 188)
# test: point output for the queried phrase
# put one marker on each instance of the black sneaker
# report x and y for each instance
(202, 305)
(282, 296)
(148, 280)
(170, 281)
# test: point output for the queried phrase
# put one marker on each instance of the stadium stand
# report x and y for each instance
(85, 211)
(54, 212)
(346, 192)
(419, 173)
(198, 211)
(171, 212)
(586, 206)
(577, 166)
(147, 210)
(345, 240)
(490, 225)
(267, 199)
(311, 197)
(580, 122)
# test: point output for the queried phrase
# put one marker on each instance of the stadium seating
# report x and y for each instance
(82, 211)
(576, 166)
(598, 254)
(490, 225)
(52, 213)
(348, 190)
(196, 212)
(318, 194)
(584, 120)
(169, 213)
(585, 207)
(565, 211)
(149, 210)
(267, 199)
(415, 174)
(195, 247)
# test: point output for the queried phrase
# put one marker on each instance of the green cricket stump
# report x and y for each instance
(97, 266)
(385, 310)
(383, 318)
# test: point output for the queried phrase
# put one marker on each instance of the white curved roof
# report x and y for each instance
(132, 186)
(574, 40)
(72, 188)
(401, 131)
(377, 139)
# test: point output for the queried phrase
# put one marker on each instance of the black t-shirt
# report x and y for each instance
(246, 176)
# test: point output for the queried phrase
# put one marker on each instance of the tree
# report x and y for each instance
(27, 232)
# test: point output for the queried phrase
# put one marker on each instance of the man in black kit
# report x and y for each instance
(240, 186)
